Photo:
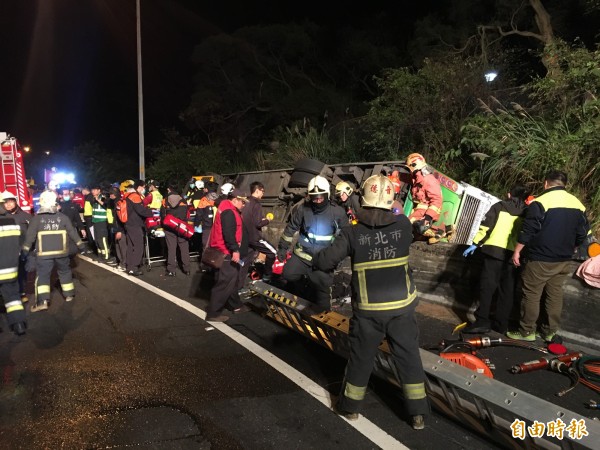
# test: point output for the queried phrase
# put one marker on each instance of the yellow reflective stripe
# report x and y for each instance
(9, 274)
(319, 237)
(41, 234)
(287, 238)
(397, 304)
(298, 252)
(414, 391)
(15, 305)
(10, 230)
(422, 206)
(435, 208)
(43, 289)
(381, 264)
(68, 287)
(354, 392)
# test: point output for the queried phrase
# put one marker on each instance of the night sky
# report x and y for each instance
(69, 72)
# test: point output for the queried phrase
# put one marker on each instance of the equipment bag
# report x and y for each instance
(181, 227)
(212, 257)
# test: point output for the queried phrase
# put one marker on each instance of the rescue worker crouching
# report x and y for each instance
(50, 230)
(10, 247)
(427, 197)
(317, 221)
(347, 198)
(384, 299)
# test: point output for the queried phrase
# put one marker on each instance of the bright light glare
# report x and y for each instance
(490, 76)
(63, 177)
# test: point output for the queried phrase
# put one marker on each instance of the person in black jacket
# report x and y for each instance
(177, 207)
(254, 219)
(497, 237)
(136, 213)
(71, 210)
(384, 299)
(22, 219)
(118, 230)
(10, 246)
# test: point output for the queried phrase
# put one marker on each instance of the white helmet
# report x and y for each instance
(7, 195)
(378, 192)
(48, 199)
(318, 186)
(343, 188)
(227, 188)
(199, 184)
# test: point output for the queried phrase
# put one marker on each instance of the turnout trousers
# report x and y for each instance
(15, 312)
(228, 280)
(540, 276)
(175, 242)
(366, 334)
(135, 247)
(43, 273)
(101, 239)
(496, 275)
(296, 269)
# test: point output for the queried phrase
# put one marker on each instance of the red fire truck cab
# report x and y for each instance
(12, 171)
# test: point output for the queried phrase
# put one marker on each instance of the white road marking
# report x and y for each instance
(363, 425)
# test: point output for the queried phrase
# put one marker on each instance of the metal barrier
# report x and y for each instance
(483, 404)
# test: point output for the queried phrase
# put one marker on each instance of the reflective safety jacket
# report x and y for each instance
(94, 212)
(10, 235)
(382, 283)
(555, 224)
(316, 229)
(427, 194)
(498, 232)
(156, 200)
(51, 232)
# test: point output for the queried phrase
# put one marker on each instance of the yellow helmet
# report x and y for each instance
(125, 184)
(343, 188)
(377, 192)
(415, 161)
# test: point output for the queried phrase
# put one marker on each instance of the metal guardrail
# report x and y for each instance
(483, 404)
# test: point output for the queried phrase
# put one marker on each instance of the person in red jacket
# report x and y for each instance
(427, 198)
(230, 237)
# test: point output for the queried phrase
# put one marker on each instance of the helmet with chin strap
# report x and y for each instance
(415, 161)
(378, 192)
(343, 187)
(318, 186)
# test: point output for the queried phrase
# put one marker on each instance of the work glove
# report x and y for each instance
(470, 250)
(198, 229)
(421, 226)
(24, 255)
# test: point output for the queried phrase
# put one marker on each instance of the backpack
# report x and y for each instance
(121, 209)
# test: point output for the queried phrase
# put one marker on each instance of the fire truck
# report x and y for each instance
(12, 172)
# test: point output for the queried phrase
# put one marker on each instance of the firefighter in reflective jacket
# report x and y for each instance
(51, 230)
(317, 221)
(10, 235)
(344, 193)
(427, 198)
(384, 298)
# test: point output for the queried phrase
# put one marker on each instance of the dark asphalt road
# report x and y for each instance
(124, 367)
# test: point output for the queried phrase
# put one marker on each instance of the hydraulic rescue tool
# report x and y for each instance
(560, 364)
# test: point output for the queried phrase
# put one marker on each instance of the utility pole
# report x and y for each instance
(140, 92)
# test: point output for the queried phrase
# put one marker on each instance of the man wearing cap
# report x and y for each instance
(230, 237)
(98, 217)
(22, 219)
(134, 227)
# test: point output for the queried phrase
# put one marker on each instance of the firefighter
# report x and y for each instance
(10, 247)
(317, 221)
(71, 210)
(134, 227)
(383, 301)
(198, 193)
(427, 197)
(22, 219)
(225, 190)
(98, 218)
(51, 230)
(348, 199)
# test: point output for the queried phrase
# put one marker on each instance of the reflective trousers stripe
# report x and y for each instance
(68, 287)
(43, 289)
(354, 392)
(414, 391)
(15, 305)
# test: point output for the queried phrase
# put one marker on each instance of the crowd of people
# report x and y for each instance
(367, 225)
